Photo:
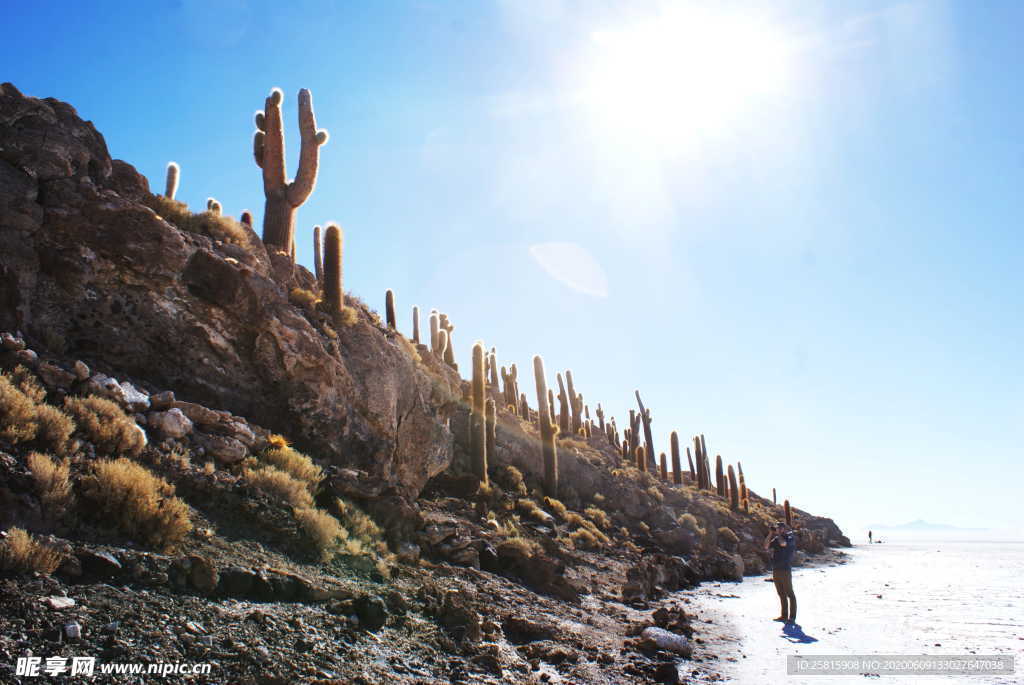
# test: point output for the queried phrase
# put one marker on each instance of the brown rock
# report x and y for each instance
(203, 574)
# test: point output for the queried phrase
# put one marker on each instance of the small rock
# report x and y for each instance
(10, 343)
(55, 377)
(99, 564)
(161, 400)
(135, 399)
(58, 602)
(225, 450)
(73, 630)
(171, 423)
(81, 370)
(105, 386)
(203, 575)
(372, 612)
(667, 640)
(27, 357)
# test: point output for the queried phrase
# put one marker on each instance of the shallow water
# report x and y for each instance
(935, 598)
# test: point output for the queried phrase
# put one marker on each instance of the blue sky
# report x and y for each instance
(795, 227)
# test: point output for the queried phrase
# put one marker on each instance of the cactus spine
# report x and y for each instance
(333, 294)
(318, 257)
(789, 513)
(734, 490)
(677, 467)
(477, 416)
(389, 308)
(664, 468)
(547, 429)
(284, 198)
(171, 189)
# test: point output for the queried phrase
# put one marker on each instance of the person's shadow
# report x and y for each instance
(794, 633)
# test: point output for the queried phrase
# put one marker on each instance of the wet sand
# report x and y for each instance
(936, 598)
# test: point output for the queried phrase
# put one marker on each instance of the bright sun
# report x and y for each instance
(682, 75)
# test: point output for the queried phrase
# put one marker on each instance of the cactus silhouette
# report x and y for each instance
(318, 257)
(774, 501)
(641, 458)
(477, 417)
(664, 468)
(645, 417)
(564, 422)
(600, 417)
(677, 466)
(547, 429)
(442, 342)
(284, 198)
(734, 490)
(524, 407)
(789, 513)
(449, 350)
(334, 296)
(212, 206)
(389, 308)
(491, 416)
(416, 325)
(171, 188)
(575, 404)
(693, 471)
(494, 369)
(435, 334)
(245, 218)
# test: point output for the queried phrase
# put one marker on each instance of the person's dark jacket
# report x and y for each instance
(782, 556)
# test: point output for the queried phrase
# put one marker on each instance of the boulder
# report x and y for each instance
(171, 423)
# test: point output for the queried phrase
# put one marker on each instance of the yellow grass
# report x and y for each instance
(280, 485)
(105, 425)
(325, 532)
(296, 464)
(53, 484)
(22, 554)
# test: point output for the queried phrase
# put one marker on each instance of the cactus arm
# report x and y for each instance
(309, 151)
(272, 157)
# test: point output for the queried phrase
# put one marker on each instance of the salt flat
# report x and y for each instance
(935, 598)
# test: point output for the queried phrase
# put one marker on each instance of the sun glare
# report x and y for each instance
(682, 75)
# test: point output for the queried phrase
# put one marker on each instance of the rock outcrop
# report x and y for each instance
(88, 270)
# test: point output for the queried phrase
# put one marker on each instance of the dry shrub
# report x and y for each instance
(279, 441)
(576, 521)
(531, 510)
(105, 425)
(727, 534)
(209, 468)
(349, 316)
(296, 464)
(280, 485)
(304, 299)
(215, 226)
(598, 498)
(17, 413)
(689, 521)
(20, 553)
(656, 493)
(24, 416)
(323, 530)
(139, 503)
(599, 518)
(582, 538)
(365, 536)
(28, 383)
(511, 479)
(556, 507)
(523, 546)
(53, 484)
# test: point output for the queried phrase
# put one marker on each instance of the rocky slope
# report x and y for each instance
(199, 341)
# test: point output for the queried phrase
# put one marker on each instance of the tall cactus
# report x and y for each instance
(600, 417)
(575, 404)
(700, 465)
(677, 466)
(734, 490)
(389, 307)
(719, 476)
(693, 471)
(491, 415)
(416, 325)
(171, 188)
(245, 218)
(318, 257)
(742, 481)
(547, 429)
(477, 416)
(641, 458)
(212, 206)
(564, 422)
(664, 468)
(524, 407)
(494, 369)
(449, 351)
(442, 342)
(634, 430)
(284, 198)
(334, 296)
(645, 417)
(435, 334)
(789, 513)
(774, 501)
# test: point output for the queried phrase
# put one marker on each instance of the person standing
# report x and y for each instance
(869, 537)
(781, 542)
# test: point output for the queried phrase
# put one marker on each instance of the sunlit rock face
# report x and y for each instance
(87, 269)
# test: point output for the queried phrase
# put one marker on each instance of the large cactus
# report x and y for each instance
(416, 325)
(524, 407)
(774, 501)
(318, 257)
(547, 429)
(600, 417)
(664, 468)
(677, 466)
(575, 404)
(477, 416)
(734, 490)
(491, 415)
(284, 198)
(389, 309)
(789, 513)
(700, 464)
(435, 334)
(640, 458)
(693, 471)
(449, 351)
(742, 481)
(171, 188)
(493, 369)
(334, 297)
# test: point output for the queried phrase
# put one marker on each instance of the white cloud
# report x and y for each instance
(572, 265)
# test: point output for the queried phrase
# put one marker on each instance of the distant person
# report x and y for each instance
(781, 542)
(869, 537)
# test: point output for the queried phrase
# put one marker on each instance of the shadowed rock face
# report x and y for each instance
(87, 267)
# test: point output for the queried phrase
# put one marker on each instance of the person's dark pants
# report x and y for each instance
(783, 578)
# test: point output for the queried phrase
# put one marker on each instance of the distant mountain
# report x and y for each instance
(920, 525)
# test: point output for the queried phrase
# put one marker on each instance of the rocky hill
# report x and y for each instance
(201, 462)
